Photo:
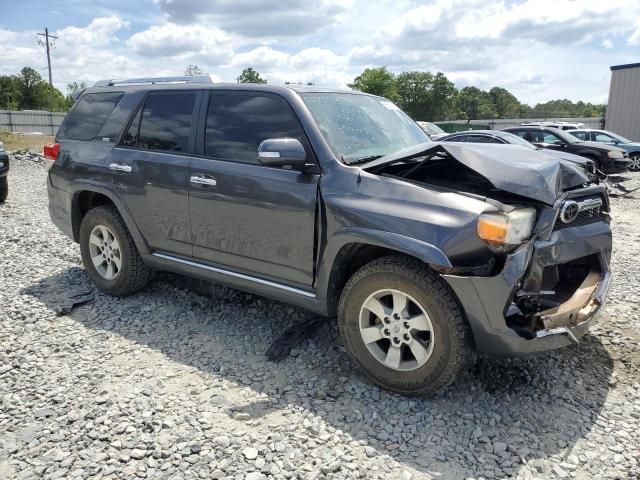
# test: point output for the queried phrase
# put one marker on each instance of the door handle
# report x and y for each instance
(118, 167)
(200, 180)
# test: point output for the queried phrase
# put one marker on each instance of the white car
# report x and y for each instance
(560, 125)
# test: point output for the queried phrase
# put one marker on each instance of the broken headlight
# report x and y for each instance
(615, 154)
(504, 231)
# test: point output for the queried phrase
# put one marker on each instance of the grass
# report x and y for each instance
(15, 141)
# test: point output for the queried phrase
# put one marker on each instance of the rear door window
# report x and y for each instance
(580, 135)
(89, 115)
(163, 123)
(238, 123)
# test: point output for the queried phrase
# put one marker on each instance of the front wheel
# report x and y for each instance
(4, 189)
(403, 326)
(635, 162)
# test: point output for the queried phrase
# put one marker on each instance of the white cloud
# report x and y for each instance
(169, 40)
(607, 43)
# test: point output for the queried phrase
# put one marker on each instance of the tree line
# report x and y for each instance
(425, 96)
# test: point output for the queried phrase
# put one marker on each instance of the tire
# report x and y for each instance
(447, 345)
(4, 189)
(635, 162)
(129, 273)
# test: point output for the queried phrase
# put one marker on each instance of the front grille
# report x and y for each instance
(587, 214)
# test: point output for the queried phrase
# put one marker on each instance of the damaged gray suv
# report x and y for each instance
(338, 203)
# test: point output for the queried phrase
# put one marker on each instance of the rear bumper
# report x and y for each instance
(487, 301)
(60, 208)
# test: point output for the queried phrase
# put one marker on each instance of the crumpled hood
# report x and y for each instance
(529, 173)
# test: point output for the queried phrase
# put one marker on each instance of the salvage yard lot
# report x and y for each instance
(172, 384)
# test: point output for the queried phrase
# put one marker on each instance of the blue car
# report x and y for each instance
(605, 136)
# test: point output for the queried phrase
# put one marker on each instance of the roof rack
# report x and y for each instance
(152, 80)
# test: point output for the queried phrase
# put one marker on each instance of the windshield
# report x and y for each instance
(516, 140)
(567, 137)
(618, 137)
(360, 127)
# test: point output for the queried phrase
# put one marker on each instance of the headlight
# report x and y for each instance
(615, 154)
(505, 231)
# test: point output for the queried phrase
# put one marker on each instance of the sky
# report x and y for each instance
(537, 49)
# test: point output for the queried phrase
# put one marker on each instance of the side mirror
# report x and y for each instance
(282, 152)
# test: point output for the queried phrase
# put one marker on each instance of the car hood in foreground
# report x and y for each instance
(521, 171)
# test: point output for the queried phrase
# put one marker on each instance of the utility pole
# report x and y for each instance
(48, 46)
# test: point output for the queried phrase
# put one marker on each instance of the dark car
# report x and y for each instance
(336, 202)
(609, 159)
(605, 136)
(506, 138)
(4, 173)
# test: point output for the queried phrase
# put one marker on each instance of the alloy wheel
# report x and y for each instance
(635, 162)
(105, 253)
(396, 330)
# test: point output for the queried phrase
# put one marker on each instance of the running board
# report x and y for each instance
(234, 274)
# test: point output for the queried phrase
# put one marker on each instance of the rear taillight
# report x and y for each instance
(51, 152)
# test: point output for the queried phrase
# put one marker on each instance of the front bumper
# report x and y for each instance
(615, 165)
(487, 301)
(4, 164)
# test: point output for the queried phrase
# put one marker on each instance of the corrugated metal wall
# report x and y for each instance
(623, 110)
(500, 123)
(30, 121)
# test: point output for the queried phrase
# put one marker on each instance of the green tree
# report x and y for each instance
(443, 98)
(376, 81)
(414, 91)
(249, 75)
(475, 104)
(30, 87)
(192, 70)
(505, 104)
(9, 93)
(73, 89)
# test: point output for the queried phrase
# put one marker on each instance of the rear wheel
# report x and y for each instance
(635, 162)
(403, 326)
(109, 254)
(4, 189)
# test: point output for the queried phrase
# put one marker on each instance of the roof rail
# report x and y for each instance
(152, 80)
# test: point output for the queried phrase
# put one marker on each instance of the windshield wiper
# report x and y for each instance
(356, 161)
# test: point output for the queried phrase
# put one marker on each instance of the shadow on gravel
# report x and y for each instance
(504, 412)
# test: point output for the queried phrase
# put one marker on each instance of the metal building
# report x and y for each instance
(623, 110)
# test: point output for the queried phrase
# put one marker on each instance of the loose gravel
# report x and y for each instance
(172, 384)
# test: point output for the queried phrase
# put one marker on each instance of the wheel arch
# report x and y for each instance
(353, 248)
(85, 198)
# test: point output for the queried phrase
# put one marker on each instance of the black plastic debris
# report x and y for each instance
(292, 336)
(72, 300)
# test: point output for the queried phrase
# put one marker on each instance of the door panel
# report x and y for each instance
(151, 168)
(245, 216)
(257, 219)
(156, 192)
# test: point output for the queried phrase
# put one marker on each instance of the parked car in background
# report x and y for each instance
(334, 201)
(4, 173)
(559, 125)
(608, 158)
(431, 129)
(610, 138)
(504, 138)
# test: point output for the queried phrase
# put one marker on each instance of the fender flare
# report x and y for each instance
(111, 194)
(423, 251)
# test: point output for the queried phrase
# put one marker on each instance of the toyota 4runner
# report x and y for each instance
(336, 202)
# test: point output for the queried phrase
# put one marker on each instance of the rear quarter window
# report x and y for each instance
(88, 116)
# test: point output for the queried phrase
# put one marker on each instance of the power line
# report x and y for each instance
(48, 45)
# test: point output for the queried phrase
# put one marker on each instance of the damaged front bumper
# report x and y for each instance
(513, 313)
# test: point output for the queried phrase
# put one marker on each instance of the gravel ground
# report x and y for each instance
(171, 384)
